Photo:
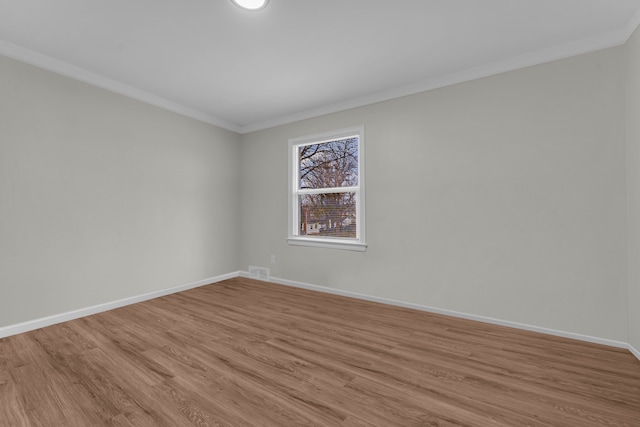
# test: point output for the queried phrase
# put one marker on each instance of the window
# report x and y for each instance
(326, 196)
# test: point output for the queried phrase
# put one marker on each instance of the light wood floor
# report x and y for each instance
(247, 353)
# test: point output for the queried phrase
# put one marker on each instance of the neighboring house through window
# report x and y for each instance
(326, 190)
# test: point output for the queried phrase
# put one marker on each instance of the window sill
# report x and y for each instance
(328, 243)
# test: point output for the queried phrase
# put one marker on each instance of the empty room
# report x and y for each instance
(342, 213)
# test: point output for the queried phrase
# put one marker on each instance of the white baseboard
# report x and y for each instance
(563, 334)
(633, 351)
(31, 325)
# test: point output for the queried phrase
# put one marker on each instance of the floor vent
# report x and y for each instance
(259, 273)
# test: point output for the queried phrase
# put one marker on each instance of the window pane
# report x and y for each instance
(328, 215)
(329, 164)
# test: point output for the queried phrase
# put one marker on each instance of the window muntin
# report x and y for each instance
(327, 197)
(328, 215)
(329, 164)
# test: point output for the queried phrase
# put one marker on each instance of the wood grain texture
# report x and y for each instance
(249, 353)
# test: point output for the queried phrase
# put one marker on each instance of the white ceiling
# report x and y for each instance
(298, 58)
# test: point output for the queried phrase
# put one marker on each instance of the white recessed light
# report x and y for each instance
(250, 4)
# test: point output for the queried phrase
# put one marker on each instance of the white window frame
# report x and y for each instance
(357, 244)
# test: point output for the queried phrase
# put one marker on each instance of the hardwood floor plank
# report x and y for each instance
(13, 411)
(243, 353)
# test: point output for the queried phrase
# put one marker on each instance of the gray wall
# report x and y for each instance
(502, 197)
(633, 162)
(103, 197)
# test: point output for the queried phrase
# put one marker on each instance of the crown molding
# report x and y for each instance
(586, 45)
(566, 50)
(68, 70)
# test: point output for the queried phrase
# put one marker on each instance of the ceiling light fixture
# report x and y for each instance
(251, 4)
